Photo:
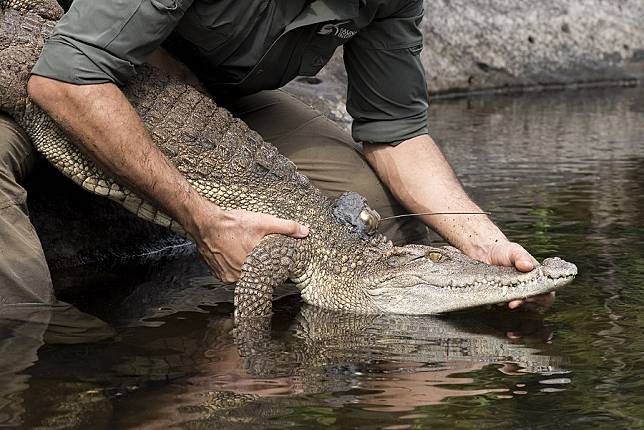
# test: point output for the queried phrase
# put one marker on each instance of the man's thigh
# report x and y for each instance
(325, 153)
(24, 275)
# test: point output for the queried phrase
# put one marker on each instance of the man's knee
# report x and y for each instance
(271, 113)
(326, 154)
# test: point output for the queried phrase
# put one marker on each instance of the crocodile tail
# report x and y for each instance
(47, 9)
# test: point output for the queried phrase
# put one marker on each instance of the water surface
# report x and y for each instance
(562, 173)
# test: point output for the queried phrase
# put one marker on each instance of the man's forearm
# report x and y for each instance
(110, 131)
(423, 181)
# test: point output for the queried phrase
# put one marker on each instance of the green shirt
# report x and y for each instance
(239, 47)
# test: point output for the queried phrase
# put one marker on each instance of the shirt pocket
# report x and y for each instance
(209, 24)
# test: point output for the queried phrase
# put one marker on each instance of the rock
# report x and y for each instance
(77, 228)
(488, 44)
(498, 45)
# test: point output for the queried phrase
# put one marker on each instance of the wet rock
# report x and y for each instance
(77, 228)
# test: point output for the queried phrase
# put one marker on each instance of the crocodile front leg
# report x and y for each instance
(271, 263)
(268, 266)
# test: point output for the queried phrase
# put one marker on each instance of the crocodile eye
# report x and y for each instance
(393, 262)
(371, 220)
(435, 256)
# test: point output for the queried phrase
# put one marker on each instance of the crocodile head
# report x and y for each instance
(417, 279)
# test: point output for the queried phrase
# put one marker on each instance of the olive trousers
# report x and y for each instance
(319, 148)
(24, 276)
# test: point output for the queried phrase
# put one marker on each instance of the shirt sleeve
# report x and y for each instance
(387, 92)
(99, 41)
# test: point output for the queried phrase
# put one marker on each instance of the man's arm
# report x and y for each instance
(423, 181)
(108, 129)
(98, 44)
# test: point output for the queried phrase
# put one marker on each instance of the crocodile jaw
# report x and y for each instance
(415, 294)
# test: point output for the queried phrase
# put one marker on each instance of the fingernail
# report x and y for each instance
(303, 230)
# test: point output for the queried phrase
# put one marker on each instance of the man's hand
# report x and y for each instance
(225, 238)
(420, 177)
(506, 253)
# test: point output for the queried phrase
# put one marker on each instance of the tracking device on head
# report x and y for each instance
(353, 210)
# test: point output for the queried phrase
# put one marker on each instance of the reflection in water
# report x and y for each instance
(212, 376)
(563, 173)
(324, 359)
(23, 330)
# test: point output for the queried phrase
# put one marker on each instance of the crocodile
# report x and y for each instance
(344, 263)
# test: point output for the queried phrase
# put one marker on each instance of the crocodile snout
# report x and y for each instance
(557, 268)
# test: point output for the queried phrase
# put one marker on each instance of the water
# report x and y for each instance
(562, 173)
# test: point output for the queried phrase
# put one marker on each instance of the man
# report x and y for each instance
(239, 51)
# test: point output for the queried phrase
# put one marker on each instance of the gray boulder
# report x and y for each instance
(491, 44)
